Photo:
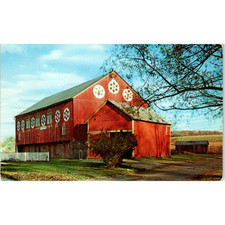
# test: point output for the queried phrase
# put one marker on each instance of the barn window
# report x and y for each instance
(49, 117)
(99, 91)
(32, 123)
(66, 114)
(22, 124)
(38, 120)
(28, 123)
(63, 129)
(127, 94)
(18, 125)
(57, 116)
(43, 120)
(113, 86)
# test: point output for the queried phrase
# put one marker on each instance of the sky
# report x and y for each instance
(31, 72)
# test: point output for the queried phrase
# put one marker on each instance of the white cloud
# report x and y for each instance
(85, 59)
(12, 49)
(28, 89)
(97, 47)
(44, 66)
(53, 55)
(91, 54)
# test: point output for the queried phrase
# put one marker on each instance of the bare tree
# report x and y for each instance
(173, 77)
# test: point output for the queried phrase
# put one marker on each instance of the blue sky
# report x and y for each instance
(32, 72)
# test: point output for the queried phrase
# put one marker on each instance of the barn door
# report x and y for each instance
(80, 154)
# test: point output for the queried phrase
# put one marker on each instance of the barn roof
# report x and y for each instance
(191, 143)
(62, 96)
(140, 113)
(136, 113)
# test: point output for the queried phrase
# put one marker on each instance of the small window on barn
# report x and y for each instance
(49, 117)
(63, 129)
(28, 123)
(38, 120)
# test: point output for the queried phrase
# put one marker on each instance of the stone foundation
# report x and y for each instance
(63, 150)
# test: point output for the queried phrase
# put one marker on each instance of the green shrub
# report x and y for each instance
(112, 147)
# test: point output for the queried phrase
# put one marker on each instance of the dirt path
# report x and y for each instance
(172, 171)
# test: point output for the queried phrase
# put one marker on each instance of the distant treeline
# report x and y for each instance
(194, 132)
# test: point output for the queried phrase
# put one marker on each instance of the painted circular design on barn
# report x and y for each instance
(22, 124)
(66, 114)
(57, 116)
(127, 94)
(99, 91)
(43, 120)
(113, 86)
(32, 123)
(18, 125)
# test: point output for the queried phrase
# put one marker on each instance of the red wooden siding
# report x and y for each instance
(153, 139)
(109, 118)
(47, 133)
(86, 103)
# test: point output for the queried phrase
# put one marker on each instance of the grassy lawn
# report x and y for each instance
(59, 170)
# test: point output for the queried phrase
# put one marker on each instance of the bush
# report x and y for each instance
(112, 147)
(8, 145)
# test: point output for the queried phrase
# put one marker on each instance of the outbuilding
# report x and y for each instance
(192, 146)
(107, 102)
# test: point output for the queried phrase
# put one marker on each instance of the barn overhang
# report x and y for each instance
(134, 113)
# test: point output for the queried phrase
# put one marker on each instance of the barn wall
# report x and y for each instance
(153, 139)
(56, 150)
(109, 118)
(47, 133)
(86, 103)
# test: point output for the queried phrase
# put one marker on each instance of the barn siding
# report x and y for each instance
(86, 103)
(109, 118)
(152, 139)
(52, 133)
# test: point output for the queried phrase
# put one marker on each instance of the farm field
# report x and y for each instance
(215, 141)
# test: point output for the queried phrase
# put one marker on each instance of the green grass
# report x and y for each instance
(59, 169)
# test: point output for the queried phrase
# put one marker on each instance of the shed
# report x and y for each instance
(192, 146)
(152, 130)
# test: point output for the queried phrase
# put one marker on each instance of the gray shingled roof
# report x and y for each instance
(140, 113)
(61, 96)
(192, 143)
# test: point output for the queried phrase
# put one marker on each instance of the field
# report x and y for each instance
(215, 141)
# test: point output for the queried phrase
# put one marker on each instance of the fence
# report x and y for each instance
(24, 156)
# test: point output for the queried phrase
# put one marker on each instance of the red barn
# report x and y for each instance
(108, 103)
